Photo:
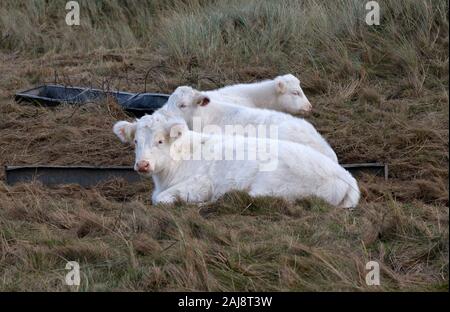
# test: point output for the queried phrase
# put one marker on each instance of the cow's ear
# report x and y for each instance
(177, 130)
(202, 100)
(280, 85)
(125, 131)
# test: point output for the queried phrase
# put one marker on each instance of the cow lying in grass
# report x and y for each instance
(192, 105)
(165, 151)
(281, 94)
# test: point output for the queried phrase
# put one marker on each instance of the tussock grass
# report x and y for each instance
(379, 94)
(129, 246)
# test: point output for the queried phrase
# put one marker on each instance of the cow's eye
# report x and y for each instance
(160, 142)
(182, 105)
(135, 141)
(297, 93)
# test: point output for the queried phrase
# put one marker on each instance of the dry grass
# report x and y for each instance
(380, 94)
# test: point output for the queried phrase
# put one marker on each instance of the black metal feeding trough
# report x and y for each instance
(85, 176)
(88, 176)
(137, 104)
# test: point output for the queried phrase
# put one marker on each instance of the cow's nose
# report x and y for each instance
(308, 107)
(143, 166)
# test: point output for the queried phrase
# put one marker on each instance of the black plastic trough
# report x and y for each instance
(138, 104)
(88, 176)
(85, 176)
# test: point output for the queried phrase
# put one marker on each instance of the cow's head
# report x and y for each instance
(184, 101)
(289, 95)
(152, 137)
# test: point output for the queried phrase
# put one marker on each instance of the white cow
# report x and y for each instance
(281, 94)
(192, 105)
(165, 151)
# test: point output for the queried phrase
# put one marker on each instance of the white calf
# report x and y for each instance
(192, 105)
(281, 94)
(164, 151)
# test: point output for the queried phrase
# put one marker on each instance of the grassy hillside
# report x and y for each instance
(380, 93)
